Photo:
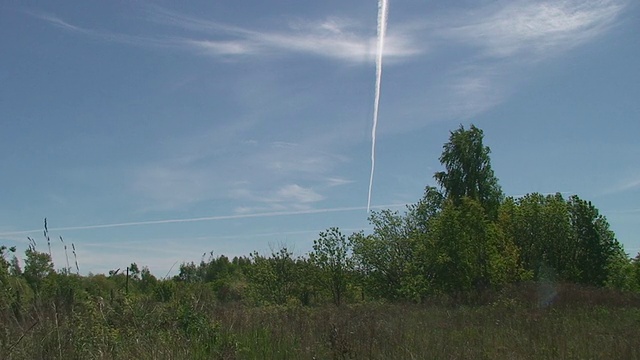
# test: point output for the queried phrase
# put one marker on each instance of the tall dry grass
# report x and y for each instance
(574, 323)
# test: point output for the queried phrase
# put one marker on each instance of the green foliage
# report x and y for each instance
(468, 170)
(635, 273)
(5, 287)
(133, 271)
(383, 257)
(568, 236)
(471, 252)
(276, 279)
(596, 244)
(226, 277)
(38, 266)
(4, 263)
(331, 255)
(147, 281)
(539, 225)
(420, 215)
(623, 274)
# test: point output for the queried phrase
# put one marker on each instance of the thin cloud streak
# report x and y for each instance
(333, 182)
(624, 187)
(107, 35)
(623, 212)
(207, 218)
(328, 38)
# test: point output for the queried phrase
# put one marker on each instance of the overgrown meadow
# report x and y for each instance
(464, 273)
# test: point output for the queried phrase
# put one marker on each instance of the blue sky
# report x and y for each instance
(253, 118)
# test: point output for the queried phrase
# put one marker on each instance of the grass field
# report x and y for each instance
(576, 323)
(413, 332)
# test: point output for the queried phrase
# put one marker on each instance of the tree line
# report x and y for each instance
(461, 238)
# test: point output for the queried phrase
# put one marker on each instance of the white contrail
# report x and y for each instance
(208, 218)
(382, 29)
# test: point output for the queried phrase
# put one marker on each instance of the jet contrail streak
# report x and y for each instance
(208, 218)
(382, 29)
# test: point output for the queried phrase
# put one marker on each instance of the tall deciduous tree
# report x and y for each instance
(597, 244)
(468, 170)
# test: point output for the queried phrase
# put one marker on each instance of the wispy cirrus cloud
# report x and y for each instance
(334, 181)
(104, 35)
(538, 28)
(261, 175)
(285, 198)
(173, 186)
(630, 184)
(473, 90)
(297, 193)
(499, 39)
(502, 42)
(288, 193)
(334, 38)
